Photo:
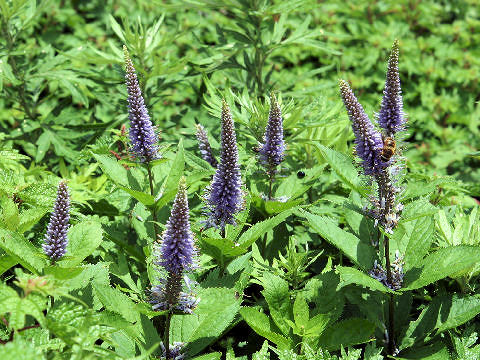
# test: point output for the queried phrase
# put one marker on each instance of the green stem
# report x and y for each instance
(166, 337)
(391, 303)
(154, 208)
(270, 187)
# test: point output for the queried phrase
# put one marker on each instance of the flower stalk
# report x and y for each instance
(175, 256)
(377, 151)
(204, 146)
(224, 197)
(272, 151)
(143, 138)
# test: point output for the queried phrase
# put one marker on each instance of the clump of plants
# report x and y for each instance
(194, 195)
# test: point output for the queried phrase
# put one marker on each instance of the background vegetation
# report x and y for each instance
(62, 109)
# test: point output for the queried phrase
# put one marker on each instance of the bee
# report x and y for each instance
(388, 149)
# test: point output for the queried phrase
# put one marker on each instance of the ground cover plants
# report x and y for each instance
(239, 179)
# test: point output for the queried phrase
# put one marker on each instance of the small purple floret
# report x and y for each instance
(225, 197)
(391, 117)
(56, 239)
(380, 274)
(142, 133)
(204, 145)
(176, 351)
(368, 140)
(272, 151)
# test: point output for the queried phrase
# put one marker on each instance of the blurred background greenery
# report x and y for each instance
(61, 74)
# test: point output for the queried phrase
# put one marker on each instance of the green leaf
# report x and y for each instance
(343, 167)
(225, 249)
(215, 312)
(144, 198)
(262, 325)
(301, 313)
(346, 333)
(257, 230)
(22, 250)
(317, 325)
(262, 354)
(18, 308)
(350, 275)
(277, 295)
(10, 216)
(30, 217)
(443, 313)
(211, 356)
(440, 264)
(116, 172)
(43, 143)
(414, 238)
(84, 238)
(436, 351)
(357, 251)
(117, 29)
(460, 310)
(116, 301)
(22, 347)
(6, 262)
(170, 186)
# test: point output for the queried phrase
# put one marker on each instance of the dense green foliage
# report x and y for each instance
(291, 279)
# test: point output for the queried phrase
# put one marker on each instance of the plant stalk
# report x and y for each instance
(166, 337)
(271, 178)
(154, 208)
(391, 308)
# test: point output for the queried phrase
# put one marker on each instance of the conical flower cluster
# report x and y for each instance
(56, 239)
(368, 140)
(176, 256)
(225, 197)
(391, 117)
(204, 145)
(272, 151)
(142, 133)
(177, 251)
(378, 151)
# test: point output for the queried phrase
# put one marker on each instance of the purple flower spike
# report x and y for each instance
(368, 140)
(272, 151)
(204, 145)
(142, 133)
(177, 248)
(56, 237)
(225, 196)
(391, 117)
(177, 255)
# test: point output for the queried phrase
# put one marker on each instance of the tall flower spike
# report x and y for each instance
(225, 196)
(177, 255)
(391, 117)
(142, 133)
(177, 248)
(368, 140)
(204, 145)
(272, 151)
(56, 237)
